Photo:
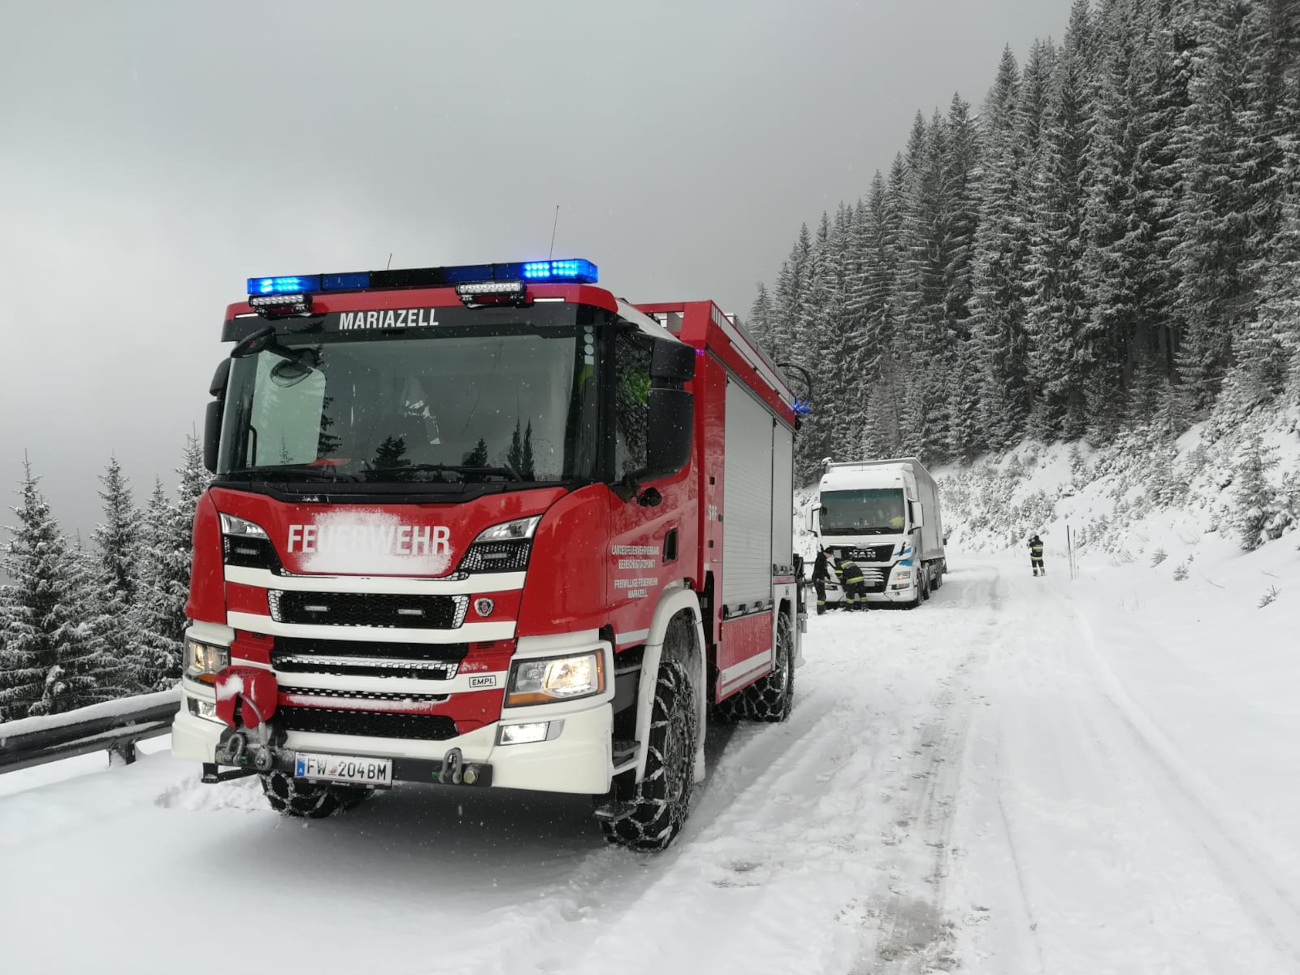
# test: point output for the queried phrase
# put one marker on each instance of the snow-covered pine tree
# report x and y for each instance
(1213, 254)
(1257, 508)
(997, 306)
(159, 600)
(845, 341)
(817, 335)
(117, 584)
(1268, 346)
(924, 288)
(48, 663)
(760, 320)
(176, 545)
(788, 298)
(1118, 243)
(1056, 306)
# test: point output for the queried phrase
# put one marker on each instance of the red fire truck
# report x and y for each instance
(487, 526)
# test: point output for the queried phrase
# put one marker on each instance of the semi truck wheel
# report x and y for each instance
(656, 813)
(938, 578)
(925, 583)
(309, 800)
(771, 698)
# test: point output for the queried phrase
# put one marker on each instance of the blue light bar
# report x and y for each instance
(561, 271)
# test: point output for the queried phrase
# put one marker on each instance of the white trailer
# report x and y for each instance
(885, 516)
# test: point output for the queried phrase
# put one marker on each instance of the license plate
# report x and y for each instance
(343, 768)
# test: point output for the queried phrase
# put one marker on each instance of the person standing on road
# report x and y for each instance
(821, 572)
(1036, 555)
(855, 586)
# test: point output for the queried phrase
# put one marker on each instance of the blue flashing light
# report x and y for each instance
(801, 406)
(296, 284)
(569, 269)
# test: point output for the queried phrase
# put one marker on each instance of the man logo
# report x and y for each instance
(489, 681)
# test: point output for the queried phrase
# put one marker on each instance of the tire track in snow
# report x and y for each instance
(917, 934)
(816, 842)
(1083, 849)
(1202, 809)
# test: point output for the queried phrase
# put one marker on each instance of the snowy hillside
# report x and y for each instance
(1176, 505)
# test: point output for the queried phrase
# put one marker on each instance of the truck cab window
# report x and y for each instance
(631, 402)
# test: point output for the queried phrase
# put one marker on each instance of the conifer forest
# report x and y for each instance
(1112, 238)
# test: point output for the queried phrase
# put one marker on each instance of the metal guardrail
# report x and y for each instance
(114, 726)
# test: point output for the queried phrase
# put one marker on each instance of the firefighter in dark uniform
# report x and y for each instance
(1036, 555)
(855, 586)
(821, 572)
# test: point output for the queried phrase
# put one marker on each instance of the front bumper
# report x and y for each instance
(576, 757)
(577, 760)
(885, 596)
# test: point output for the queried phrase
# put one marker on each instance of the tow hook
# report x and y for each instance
(456, 771)
(239, 751)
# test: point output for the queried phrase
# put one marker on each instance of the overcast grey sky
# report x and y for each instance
(153, 155)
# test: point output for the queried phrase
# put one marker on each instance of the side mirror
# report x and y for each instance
(212, 435)
(669, 430)
(918, 514)
(212, 417)
(672, 360)
(219, 379)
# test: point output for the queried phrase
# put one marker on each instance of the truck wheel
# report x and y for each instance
(656, 813)
(925, 584)
(771, 698)
(309, 800)
(938, 579)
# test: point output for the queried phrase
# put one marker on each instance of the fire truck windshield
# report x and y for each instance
(871, 511)
(513, 403)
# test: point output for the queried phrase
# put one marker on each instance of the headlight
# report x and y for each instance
(502, 548)
(510, 530)
(555, 679)
(230, 525)
(203, 661)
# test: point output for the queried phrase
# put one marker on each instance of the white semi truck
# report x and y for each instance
(884, 515)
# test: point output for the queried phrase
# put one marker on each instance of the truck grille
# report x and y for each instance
(339, 696)
(374, 724)
(368, 609)
(870, 553)
(354, 658)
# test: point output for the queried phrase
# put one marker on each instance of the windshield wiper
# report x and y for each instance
(451, 473)
(292, 472)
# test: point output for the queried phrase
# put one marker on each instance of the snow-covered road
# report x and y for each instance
(1024, 775)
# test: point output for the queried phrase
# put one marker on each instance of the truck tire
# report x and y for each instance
(656, 813)
(938, 578)
(922, 593)
(771, 697)
(925, 584)
(309, 800)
